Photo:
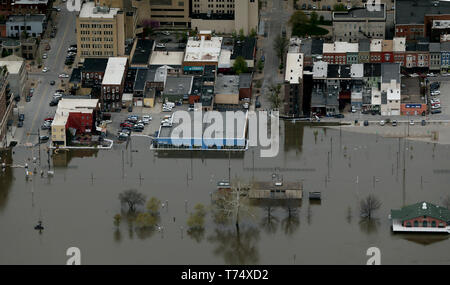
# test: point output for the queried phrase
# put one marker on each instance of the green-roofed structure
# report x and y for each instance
(421, 217)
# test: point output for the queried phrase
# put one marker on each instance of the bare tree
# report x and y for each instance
(132, 198)
(280, 45)
(368, 205)
(274, 95)
(230, 204)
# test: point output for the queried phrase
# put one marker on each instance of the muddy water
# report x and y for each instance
(78, 203)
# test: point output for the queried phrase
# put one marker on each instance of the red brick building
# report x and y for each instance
(23, 7)
(6, 7)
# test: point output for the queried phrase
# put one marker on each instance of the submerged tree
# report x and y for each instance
(368, 205)
(269, 222)
(196, 223)
(132, 198)
(153, 206)
(117, 219)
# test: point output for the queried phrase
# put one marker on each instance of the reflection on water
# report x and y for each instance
(6, 176)
(236, 245)
(79, 201)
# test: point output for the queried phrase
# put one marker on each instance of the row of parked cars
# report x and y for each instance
(71, 54)
(56, 97)
(435, 102)
(133, 124)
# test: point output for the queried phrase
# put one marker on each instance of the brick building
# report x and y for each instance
(113, 83)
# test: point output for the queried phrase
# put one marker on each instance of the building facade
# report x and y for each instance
(113, 83)
(100, 31)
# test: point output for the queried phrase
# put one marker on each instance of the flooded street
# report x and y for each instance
(78, 203)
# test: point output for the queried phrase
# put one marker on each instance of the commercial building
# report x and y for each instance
(171, 13)
(100, 31)
(201, 51)
(293, 87)
(17, 73)
(414, 19)
(113, 83)
(76, 116)
(24, 7)
(390, 89)
(225, 16)
(233, 135)
(413, 101)
(226, 89)
(33, 25)
(245, 49)
(421, 217)
(141, 53)
(359, 23)
(177, 88)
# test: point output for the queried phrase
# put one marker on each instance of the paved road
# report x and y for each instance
(38, 109)
(276, 16)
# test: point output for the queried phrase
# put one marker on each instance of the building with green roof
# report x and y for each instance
(421, 217)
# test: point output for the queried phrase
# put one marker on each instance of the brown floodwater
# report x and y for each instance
(77, 204)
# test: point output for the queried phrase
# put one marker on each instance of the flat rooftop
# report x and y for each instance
(294, 68)
(89, 10)
(356, 14)
(171, 58)
(115, 70)
(414, 11)
(410, 90)
(227, 84)
(201, 50)
(67, 106)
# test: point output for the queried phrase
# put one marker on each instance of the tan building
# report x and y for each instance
(100, 31)
(170, 12)
(225, 16)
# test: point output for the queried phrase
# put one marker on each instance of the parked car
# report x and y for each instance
(166, 33)
(125, 124)
(52, 82)
(423, 122)
(27, 99)
(436, 92)
(411, 122)
(43, 138)
(146, 119)
(436, 111)
(54, 102)
(63, 75)
(394, 123)
(45, 69)
(44, 56)
(21, 117)
(382, 123)
(339, 116)
(130, 108)
(366, 123)
(160, 45)
(20, 124)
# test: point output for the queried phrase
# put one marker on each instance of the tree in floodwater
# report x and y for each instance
(231, 204)
(269, 222)
(132, 198)
(117, 219)
(291, 222)
(196, 223)
(368, 206)
(236, 247)
(153, 206)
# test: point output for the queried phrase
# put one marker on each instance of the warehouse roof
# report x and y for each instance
(115, 71)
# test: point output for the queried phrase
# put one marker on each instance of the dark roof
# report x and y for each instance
(317, 46)
(338, 71)
(445, 46)
(75, 77)
(420, 46)
(414, 11)
(245, 80)
(364, 45)
(244, 48)
(209, 70)
(142, 52)
(178, 85)
(95, 64)
(372, 69)
(435, 47)
(141, 78)
(197, 85)
(421, 209)
(390, 71)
